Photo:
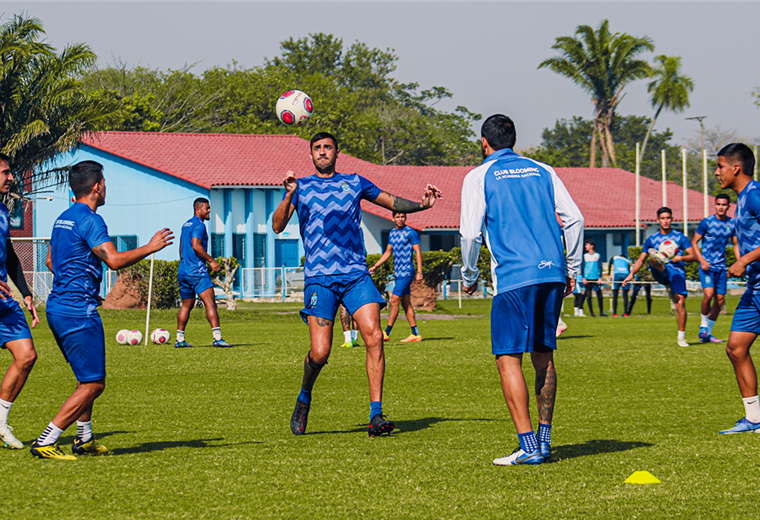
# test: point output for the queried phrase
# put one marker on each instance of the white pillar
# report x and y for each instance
(685, 195)
(704, 181)
(638, 200)
(664, 182)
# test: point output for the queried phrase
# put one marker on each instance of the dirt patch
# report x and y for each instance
(124, 296)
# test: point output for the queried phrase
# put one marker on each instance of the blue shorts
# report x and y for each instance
(714, 278)
(83, 344)
(617, 280)
(525, 320)
(673, 277)
(402, 286)
(747, 313)
(13, 323)
(323, 294)
(189, 285)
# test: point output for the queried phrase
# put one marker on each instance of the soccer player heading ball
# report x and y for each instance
(531, 274)
(328, 204)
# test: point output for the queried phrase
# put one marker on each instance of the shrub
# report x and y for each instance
(165, 287)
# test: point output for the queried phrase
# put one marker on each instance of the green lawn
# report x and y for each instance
(204, 432)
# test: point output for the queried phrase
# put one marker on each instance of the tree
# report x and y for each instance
(43, 110)
(670, 89)
(602, 64)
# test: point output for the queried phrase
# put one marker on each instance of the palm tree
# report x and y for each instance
(602, 64)
(43, 111)
(670, 90)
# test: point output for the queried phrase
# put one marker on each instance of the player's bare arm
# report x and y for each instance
(285, 210)
(739, 267)
(690, 256)
(418, 255)
(401, 205)
(704, 264)
(635, 269)
(737, 254)
(49, 261)
(119, 260)
(386, 255)
(203, 255)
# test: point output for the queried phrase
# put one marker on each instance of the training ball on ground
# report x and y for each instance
(294, 108)
(160, 336)
(121, 337)
(134, 337)
(668, 248)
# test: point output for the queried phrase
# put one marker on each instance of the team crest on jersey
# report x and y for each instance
(313, 301)
(345, 186)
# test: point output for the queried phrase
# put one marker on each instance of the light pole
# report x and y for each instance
(701, 127)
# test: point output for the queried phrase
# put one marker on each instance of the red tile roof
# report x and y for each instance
(606, 196)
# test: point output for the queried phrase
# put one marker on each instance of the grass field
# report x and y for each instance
(204, 432)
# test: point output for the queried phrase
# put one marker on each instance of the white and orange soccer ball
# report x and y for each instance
(160, 336)
(294, 108)
(668, 248)
(134, 337)
(121, 337)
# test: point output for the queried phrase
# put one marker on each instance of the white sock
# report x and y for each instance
(354, 334)
(49, 436)
(710, 325)
(84, 430)
(704, 320)
(180, 335)
(681, 334)
(346, 336)
(5, 408)
(217, 332)
(752, 408)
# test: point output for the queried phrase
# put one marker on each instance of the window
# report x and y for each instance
(217, 245)
(444, 242)
(238, 248)
(124, 242)
(259, 250)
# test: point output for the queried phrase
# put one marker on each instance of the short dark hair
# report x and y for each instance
(323, 135)
(664, 209)
(83, 176)
(723, 196)
(741, 154)
(499, 131)
(5, 158)
(200, 201)
(398, 213)
(590, 241)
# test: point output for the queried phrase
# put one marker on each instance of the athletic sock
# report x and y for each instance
(304, 396)
(354, 334)
(49, 436)
(375, 407)
(180, 335)
(703, 323)
(84, 430)
(388, 329)
(710, 325)
(217, 332)
(752, 408)
(5, 408)
(415, 330)
(347, 336)
(545, 432)
(528, 441)
(681, 334)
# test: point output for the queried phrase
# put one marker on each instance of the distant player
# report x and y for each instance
(715, 232)
(328, 204)
(579, 295)
(735, 166)
(78, 244)
(15, 335)
(669, 272)
(510, 202)
(350, 334)
(592, 274)
(193, 275)
(619, 267)
(403, 242)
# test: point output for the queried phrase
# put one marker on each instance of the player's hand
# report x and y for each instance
(5, 290)
(290, 182)
(737, 270)
(428, 197)
(160, 240)
(626, 280)
(214, 265)
(471, 289)
(372, 269)
(569, 287)
(704, 265)
(418, 278)
(29, 302)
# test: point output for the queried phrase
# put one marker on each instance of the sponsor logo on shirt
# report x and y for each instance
(517, 173)
(345, 186)
(64, 224)
(313, 301)
(545, 263)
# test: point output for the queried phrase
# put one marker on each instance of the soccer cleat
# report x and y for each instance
(91, 447)
(411, 338)
(51, 451)
(743, 425)
(10, 440)
(299, 418)
(683, 343)
(220, 343)
(625, 315)
(182, 344)
(712, 339)
(349, 344)
(658, 256)
(386, 337)
(703, 334)
(379, 426)
(546, 450)
(614, 315)
(519, 457)
(561, 329)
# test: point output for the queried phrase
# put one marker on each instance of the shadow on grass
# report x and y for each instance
(164, 445)
(98, 435)
(595, 447)
(404, 426)
(563, 337)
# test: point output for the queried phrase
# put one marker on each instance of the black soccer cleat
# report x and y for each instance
(299, 418)
(379, 426)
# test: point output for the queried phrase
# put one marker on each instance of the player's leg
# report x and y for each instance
(632, 301)
(406, 303)
(600, 298)
(205, 290)
(615, 294)
(588, 294)
(681, 318)
(707, 282)
(24, 357)
(721, 286)
(677, 281)
(626, 290)
(546, 392)
(347, 324)
(648, 295)
(182, 318)
(395, 301)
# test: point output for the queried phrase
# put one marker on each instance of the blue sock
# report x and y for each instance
(304, 396)
(415, 331)
(545, 432)
(375, 407)
(388, 329)
(528, 441)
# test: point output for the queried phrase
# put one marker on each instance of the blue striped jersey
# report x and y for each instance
(330, 214)
(592, 266)
(620, 265)
(402, 240)
(747, 227)
(715, 236)
(654, 241)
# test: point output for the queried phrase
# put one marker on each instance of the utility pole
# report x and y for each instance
(701, 127)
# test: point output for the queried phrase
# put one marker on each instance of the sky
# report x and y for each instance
(485, 54)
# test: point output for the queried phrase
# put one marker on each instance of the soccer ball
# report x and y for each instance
(294, 108)
(134, 337)
(160, 336)
(121, 337)
(668, 248)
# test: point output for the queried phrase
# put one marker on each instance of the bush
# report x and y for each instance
(165, 286)
(484, 262)
(436, 267)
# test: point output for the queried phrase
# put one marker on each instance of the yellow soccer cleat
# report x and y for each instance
(411, 338)
(386, 337)
(91, 447)
(51, 451)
